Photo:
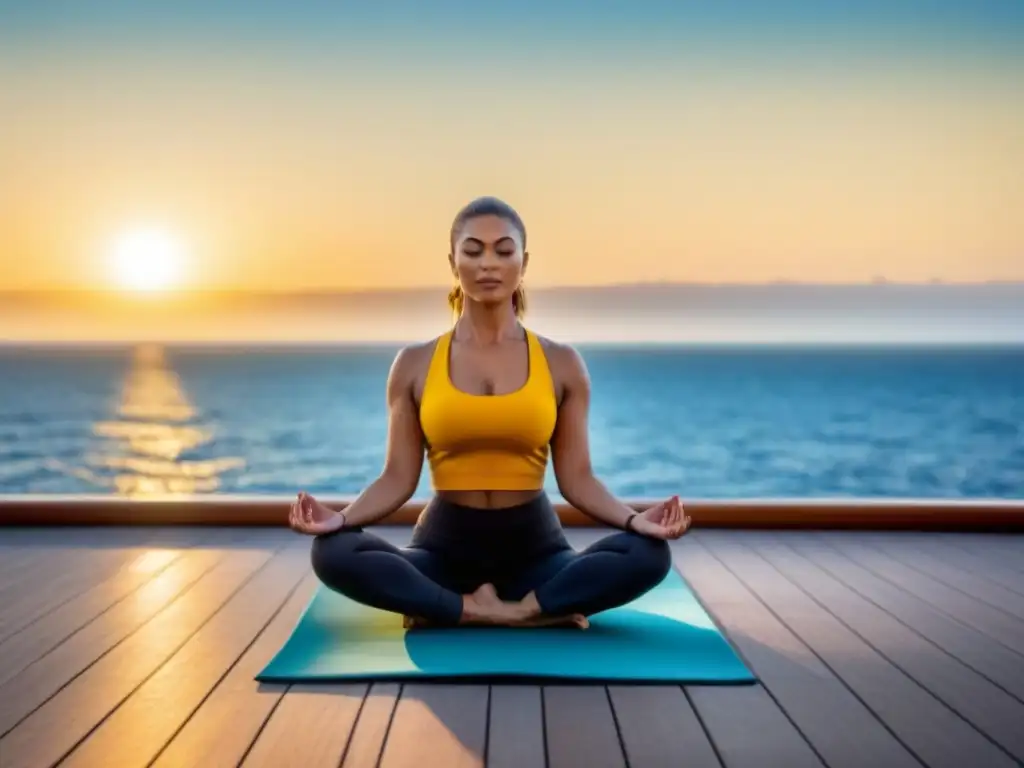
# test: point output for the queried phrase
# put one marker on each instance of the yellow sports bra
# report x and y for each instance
(488, 442)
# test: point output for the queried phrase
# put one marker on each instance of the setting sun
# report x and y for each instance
(147, 260)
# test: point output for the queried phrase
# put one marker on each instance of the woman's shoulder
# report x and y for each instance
(563, 358)
(413, 359)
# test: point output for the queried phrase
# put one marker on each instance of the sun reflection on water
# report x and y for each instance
(146, 450)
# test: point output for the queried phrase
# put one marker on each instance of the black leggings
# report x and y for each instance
(519, 550)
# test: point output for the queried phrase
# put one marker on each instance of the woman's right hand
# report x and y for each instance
(665, 520)
(309, 516)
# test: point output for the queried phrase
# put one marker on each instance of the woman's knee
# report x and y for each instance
(331, 555)
(652, 558)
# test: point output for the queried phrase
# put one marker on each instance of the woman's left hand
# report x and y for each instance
(665, 520)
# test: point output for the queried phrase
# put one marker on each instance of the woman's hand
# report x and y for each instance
(308, 515)
(666, 520)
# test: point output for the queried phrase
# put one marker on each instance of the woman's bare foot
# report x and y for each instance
(530, 615)
(484, 606)
(575, 620)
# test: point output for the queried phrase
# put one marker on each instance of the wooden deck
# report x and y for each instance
(124, 647)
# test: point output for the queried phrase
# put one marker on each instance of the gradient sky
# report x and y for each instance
(327, 146)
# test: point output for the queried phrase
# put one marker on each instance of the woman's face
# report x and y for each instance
(488, 259)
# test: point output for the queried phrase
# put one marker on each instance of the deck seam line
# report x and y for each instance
(1002, 550)
(927, 601)
(824, 663)
(62, 603)
(52, 608)
(30, 568)
(487, 726)
(896, 617)
(906, 674)
(391, 721)
(939, 581)
(105, 652)
(367, 690)
(917, 545)
(703, 724)
(80, 628)
(259, 731)
(544, 725)
(617, 724)
(171, 655)
(256, 636)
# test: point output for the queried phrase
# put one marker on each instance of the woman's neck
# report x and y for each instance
(487, 324)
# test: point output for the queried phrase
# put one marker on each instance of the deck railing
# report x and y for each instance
(226, 510)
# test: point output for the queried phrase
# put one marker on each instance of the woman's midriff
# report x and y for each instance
(489, 499)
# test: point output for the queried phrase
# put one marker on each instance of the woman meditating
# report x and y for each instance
(488, 402)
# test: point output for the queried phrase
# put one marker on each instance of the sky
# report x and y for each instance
(327, 145)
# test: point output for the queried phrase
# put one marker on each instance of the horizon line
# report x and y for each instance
(781, 282)
(298, 344)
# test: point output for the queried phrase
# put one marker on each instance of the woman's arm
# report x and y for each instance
(404, 457)
(570, 445)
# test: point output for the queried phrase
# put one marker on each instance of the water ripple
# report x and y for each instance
(703, 423)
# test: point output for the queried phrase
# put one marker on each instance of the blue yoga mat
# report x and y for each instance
(665, 636)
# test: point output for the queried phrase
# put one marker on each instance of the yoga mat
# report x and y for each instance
(664, 636)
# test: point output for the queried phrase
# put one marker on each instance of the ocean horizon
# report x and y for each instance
(719, 421)
(651, 314)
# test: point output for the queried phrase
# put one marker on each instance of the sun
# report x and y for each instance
(147, 259)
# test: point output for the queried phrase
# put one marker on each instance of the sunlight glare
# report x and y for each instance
(147, 260)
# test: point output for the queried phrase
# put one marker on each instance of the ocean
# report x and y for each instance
(704, 422)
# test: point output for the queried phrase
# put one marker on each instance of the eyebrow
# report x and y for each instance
(478, 241)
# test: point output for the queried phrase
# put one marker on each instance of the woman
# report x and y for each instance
(487, 402)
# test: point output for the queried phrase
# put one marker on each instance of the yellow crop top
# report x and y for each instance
(488, 442)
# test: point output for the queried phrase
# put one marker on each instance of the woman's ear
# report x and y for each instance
(451, 263)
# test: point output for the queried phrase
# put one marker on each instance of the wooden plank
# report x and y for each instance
(659, 727)
(565, 708)
(1005, 548)
(991, 566)
(44, 677)
(136, 731)
(42, 567)
(20, 565)
(41, 541)
(981, 653)
(516, 727)
(812, 698)
(989, 708)
(13, 560)
(371, 731)
(936, 734)
(438, 725)
(324, 715)
(50, 630)
(749, 730)
(998, 625)
(55, 728)
(52, 580)
(949, 571)
(100, 555)
(223, 728)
